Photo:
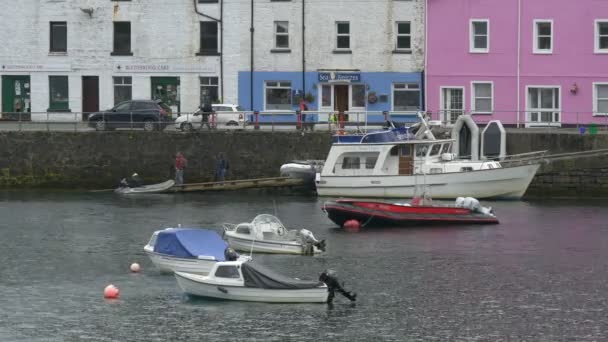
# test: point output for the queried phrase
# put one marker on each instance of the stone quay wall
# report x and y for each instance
(92, 160)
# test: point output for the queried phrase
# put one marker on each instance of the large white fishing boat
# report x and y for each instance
(392, 163)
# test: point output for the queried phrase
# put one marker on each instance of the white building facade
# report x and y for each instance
(75, 56)
(340, 56)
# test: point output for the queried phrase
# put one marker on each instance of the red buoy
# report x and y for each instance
(110, 292)
(352, 225)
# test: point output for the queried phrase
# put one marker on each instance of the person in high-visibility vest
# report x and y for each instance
(333, 119)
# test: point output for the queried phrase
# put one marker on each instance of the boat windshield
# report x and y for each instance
(267, 226)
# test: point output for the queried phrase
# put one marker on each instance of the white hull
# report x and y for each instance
(147, 189)
(505, 183)
(197, 285)
(168, 264)
(260, 246)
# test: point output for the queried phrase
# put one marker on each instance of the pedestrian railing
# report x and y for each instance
(332, 121)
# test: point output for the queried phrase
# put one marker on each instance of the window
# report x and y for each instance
(343, 35)
(404, 36)
(209, 90)
(601, 36)
(421, 150)
(543, 105)
(326, 95)
(123, 107)
(446, 148)
(281, 34)
(277, 95)
(209, 41)
(482, 97)
(543, 36)
(358, 95)
(466, 169)
(600, 96)
(479, 36)
(122, 38)
(122, 89)
(350, 163)
(243, 230)
(144, 105)
(59, 36)
(58, 93)
(227, 272)
(435, 150)
(370, 162)
(207, 1)
(406, 97)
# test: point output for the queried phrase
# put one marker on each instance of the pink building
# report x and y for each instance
(524, 62)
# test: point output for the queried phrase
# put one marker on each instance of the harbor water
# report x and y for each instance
(539, 275)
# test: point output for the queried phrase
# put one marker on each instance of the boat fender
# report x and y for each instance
(471, 203)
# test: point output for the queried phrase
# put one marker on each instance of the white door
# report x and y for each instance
(452, 104)
(543, 107)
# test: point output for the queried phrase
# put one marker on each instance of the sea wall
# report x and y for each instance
(97, 160)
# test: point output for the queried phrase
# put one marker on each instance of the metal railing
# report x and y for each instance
(332, 121)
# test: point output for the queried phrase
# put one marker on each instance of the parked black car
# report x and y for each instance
(147, 114)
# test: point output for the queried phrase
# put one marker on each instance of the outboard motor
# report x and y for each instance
(230, 254)
(309, 240)
(331, 280)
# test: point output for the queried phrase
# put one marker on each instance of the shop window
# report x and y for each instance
(122, 38)
(58, 93)
(209, 38)
(209, 90)
(281, 35)
(59, 36)
(326, 95)
(358, 95)
(404, 36)
(277, 95)
(482, 97)
(122, 89)
(406, 97)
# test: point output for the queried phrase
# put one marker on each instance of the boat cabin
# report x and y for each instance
(399, 158)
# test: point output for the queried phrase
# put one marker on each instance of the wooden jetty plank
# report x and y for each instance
(238, 184)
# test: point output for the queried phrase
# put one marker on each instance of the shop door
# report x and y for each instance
(90, 95)
(452, 104)
(166, 89)
(341, 99)
(15, 95)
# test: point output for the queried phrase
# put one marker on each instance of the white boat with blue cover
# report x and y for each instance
(193, 250)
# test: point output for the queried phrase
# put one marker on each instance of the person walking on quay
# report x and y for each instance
(206, 111)
(303, 108)
(180, 163)
(221, 166)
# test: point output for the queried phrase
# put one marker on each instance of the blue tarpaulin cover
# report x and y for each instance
(190, 243)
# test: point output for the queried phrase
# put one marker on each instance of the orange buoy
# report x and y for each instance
(135, 267)
(110, 292)
(352, 225)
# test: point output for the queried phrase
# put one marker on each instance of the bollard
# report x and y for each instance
(256, 114)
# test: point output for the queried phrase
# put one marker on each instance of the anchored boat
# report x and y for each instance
(420, 211)
(266, 234)
(151, 188)
(390, 164)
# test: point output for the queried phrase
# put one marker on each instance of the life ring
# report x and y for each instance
(372, 98)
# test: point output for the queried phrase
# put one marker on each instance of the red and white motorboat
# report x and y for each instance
(420, 211)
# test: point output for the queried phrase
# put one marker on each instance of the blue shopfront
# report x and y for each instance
(354, 92)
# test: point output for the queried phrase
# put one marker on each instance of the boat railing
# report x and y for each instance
(527, 158)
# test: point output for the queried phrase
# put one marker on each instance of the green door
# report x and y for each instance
(15, 95)
(166, 89)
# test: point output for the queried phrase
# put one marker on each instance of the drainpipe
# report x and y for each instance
(251, 29)
(303, 50)
(220, 22)
(518, 59)
(426, 46)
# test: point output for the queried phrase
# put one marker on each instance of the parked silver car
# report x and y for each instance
(227, 115)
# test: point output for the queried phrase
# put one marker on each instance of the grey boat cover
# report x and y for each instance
(256, 275)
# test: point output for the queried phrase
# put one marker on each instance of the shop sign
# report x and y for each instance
(34, 67)
(164, 68)
(339, 76)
